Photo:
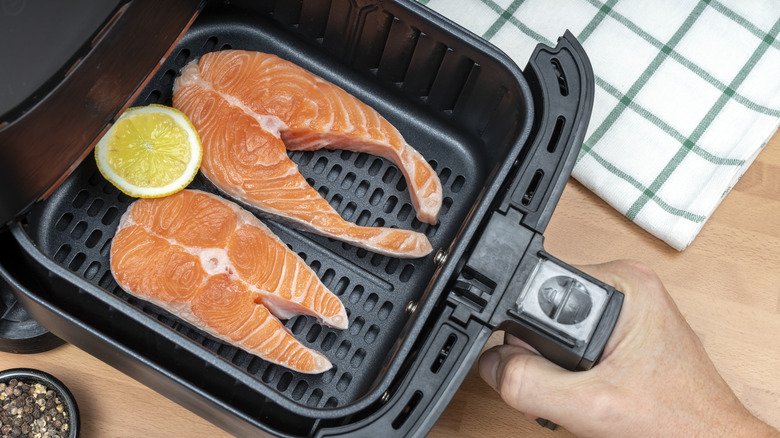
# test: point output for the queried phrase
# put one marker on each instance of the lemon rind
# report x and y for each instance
(101, 150)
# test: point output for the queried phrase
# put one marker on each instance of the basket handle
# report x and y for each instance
(562, 85)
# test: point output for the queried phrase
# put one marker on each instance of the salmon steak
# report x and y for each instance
(250, 108)
(215, 265)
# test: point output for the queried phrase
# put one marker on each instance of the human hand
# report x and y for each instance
(654, 378)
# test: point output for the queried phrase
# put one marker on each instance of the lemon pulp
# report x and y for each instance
(150, 152)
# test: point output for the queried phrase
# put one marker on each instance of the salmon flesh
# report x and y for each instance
(215, 265)
(251, 107)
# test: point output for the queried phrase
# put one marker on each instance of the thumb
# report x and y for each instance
(532, 384)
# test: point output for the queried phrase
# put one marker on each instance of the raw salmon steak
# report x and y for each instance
(216, 265)
(250, 108)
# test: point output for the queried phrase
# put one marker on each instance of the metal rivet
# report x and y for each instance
(385, 397)
(411, 307)
(441, 256)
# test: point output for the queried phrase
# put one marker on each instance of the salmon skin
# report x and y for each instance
(250, 108)
(212, 263)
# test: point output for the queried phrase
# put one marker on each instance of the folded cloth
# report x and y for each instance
(687, 94)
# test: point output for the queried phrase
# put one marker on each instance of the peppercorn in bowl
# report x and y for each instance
(34, 403)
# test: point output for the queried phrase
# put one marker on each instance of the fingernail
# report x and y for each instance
(488, 364)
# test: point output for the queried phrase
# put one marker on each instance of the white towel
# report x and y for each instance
(687, 94)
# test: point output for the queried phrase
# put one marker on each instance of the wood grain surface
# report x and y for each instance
(727, 284)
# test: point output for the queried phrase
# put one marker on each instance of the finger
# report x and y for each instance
(532, 384)
(624, 275)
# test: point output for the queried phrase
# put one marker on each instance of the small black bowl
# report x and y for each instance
(32, 376)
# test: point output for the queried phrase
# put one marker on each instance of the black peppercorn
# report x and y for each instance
(30, 409)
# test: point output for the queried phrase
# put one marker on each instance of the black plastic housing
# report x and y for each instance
(481, 122)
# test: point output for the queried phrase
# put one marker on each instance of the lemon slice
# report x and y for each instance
(150, 152)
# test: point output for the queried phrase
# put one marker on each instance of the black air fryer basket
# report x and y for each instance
(502, 141)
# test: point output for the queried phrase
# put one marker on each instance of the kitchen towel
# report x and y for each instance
(687, 94)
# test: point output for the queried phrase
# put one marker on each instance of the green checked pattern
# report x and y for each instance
(687, 94)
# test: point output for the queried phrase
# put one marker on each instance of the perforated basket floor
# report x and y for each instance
(76, 224)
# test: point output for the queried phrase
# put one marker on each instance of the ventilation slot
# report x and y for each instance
(532, 186)
(556, 134)
(562, 84)
(407, 410)
(443, 354)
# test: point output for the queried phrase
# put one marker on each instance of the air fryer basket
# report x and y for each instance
(461, 103)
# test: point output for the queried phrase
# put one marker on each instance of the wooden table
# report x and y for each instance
(727, 284)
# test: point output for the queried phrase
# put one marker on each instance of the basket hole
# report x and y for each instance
(80, 199)
(392, 266)
(62, 253)
(343, 349)
(357, 326)
(269, 373)
(106, 248)
(314, 398)
(401, 185)
(378, 222)
(406, 273)
(349, 178)
(349, 210)
(371, 334)
(387, 178)
(390, 204)
(344, 382)
(445, 205)
(328, 376)
(300, 389)
(210, 44)
(328, 341)
(361, 159)
(334, 173)
(182, 57)
(63, 222)
(457, 185)
(328, 276)
(95, 207)
(356, 294)
(107, 281)
(320, 165)
(377, 259)
(78, 230)
(445, 175)
(341, 286)
(336, 201)
(153, 97)
(403, 213)
(298, 324)
(77, 261)
(92, 270)
(314, 333)
(370, 302)
(284, 382)
(358, 357)
(376, 196)
(93, 238)
(376, 166)
(323, 191)
(331, 403)
(109, 215)
(362, 188)
(363, 218)
(385, 310)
